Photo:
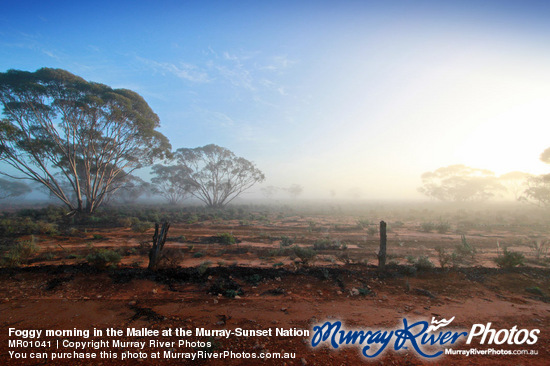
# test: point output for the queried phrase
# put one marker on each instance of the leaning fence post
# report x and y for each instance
(158, 244)
(382, 251)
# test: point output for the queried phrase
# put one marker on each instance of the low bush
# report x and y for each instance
(286, 241)
(509, 259)
(141, 226)
(21, 253)
(421, 263)
(327, 243)
(226, 239)
(442, 227)
(103, 258)
(427, 227)
(305, 255)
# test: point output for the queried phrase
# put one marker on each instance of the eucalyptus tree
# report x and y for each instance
(78, 139)
(460, 183)
(171, 182)
(216, 175)
(10, 188)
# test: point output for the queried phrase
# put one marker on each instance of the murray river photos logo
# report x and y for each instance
(428, 340)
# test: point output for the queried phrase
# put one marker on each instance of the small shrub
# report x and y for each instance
(535, 291)
(327, 243)
(254, 279)
(48, 256)
(509, 259)
(223, 239)
(286, 241)
(177, 239)
(398, 224)
(226, 287)
(72, 231)
(171, 258)
(103, 258)
(442, 227)
(344, 257)
(198, 255)
(444, 257)
(47, 228)
(540, 248)
(203, 267)
(141, 226)
(372, 230)
(427, 227)
(423, 263)
(363, 223)
(21, 253)
(465, 249)
(305, 254)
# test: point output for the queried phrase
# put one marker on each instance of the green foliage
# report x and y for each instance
(535, 291)
(509, 259)
(465, 249)
(427, 227)
(444, 258)
(286, 241)
(141, 226)
(421, 263)
(372, 230)
(225, 239)
(442, 227)
(364, 291)
(203, 267)
(198, 255)
(226, 287)
(327, 243)
(20, 253)
(59, 128)
(103, 258)
(306, 255)
(254, 279)
(177, 239)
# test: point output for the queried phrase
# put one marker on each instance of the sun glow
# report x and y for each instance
(512, 140)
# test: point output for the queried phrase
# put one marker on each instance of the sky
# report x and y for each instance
(336, 96)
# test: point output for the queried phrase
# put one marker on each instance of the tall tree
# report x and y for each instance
(295, 190)
(514, 182)
(10, 188)
(537, 191)
(171, 182)
(78, 139)
(460, 183)
(217, 176)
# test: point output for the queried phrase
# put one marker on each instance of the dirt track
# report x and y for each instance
(68, 297)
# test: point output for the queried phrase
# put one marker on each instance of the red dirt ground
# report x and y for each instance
(65, 293)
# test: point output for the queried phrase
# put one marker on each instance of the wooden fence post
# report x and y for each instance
(382, 251)
(158, 245)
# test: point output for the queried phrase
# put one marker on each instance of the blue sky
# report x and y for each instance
(330, 95)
